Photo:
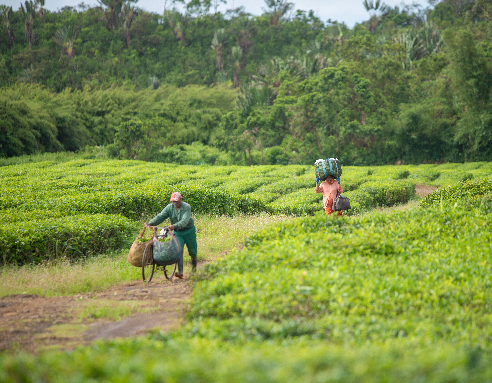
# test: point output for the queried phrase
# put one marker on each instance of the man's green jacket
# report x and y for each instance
(180, 219)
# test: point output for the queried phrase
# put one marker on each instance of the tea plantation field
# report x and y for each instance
(82, 207)
(404, 296)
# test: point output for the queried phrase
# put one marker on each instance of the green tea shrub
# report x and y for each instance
(72, 236)
(263, 196)
(402, 175)
(164, 358)
(458, 193)
(245, 185)
(137, 190)
(407, 278)
(297, 203)
(372, 194)
(388, 193)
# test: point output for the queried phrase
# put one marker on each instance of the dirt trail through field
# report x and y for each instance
(33, 323)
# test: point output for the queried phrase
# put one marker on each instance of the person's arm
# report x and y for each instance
(318, 188)
(340, 189)
(161, 216)
(185, 219)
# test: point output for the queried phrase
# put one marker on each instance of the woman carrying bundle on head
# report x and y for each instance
(329, 189)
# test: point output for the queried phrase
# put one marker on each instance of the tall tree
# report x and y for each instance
(276, 9)
(30, 12)
(6, 13)
(113, 9)
(244, 29)
(218, 43)
(376, 8)
(65, 37)
(128, 13)
(236, 55)
(472, 80)
(177, 22)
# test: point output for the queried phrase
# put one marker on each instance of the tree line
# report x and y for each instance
(409, 85)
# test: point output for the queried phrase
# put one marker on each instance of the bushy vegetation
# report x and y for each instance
(382, 297)
(205, 361)
(417, 278)
(467, 193)
(408, 85)
(84, 206)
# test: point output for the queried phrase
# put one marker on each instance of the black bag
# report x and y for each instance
(340, 203)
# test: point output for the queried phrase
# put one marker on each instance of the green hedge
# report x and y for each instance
(138, 190)
(73, 236)
(458, 193)
(169, 360)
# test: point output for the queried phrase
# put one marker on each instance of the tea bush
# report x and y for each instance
(73, 236)
(458, 193)
(137, 190)
(418, 277)
(164, 359)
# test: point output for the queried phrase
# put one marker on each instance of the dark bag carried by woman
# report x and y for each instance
(340, 203)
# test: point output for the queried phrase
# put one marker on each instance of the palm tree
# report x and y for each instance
(66, 37)
(315, 53)
(111, 14)
(30, 12)
(27, 75)
(419, 43)
(376, 8)
(218, 44)
(128, 13)
(153, 82)
(276, 9)
(7, 22)
(244, 29)
(177, 23)
(236, 55)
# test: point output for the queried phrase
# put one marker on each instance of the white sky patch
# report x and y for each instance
(348, 11)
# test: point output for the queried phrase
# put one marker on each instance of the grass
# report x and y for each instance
(114, 310)
(217, 235)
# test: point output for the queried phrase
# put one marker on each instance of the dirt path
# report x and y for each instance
(33, 323)
(423, 190)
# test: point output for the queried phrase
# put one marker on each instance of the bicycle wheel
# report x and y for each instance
(148, 264)
(172, 274)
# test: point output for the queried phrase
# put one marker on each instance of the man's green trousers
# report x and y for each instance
(188, 237)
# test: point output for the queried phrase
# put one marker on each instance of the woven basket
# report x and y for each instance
(135, 254)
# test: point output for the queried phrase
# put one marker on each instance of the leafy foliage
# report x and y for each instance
(409, 85)
(118, 194)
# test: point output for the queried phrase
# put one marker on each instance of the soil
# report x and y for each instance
(423, 190)
(33, 323)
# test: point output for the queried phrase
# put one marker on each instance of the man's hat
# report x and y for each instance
(176, 196)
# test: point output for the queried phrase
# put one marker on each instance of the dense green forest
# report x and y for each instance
(409, 85)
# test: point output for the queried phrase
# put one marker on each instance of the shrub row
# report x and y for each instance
(73, 236)
(176, 360)
(137, 190)
(458, 193)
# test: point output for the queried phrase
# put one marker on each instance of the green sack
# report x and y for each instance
(328, 167)
(167, 253)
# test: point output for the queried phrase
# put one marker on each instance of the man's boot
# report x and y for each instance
(194, 263)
